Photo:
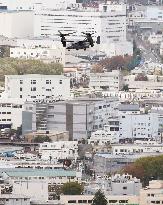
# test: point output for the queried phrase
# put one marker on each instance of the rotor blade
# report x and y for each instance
(88, 33)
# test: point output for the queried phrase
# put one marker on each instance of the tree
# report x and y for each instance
(12, 66)
(113, 63)
(41, 139)
(125, 88)
(146, 168)
(72, 188)
(141, 77)
(99, 198)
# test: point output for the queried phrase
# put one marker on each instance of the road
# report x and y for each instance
(149, 53)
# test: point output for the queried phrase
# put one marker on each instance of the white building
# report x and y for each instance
(143, 148)
(139, 126)
(109, 135)
(115, 185)
(144, 15)
(36, 87)
(11, 113)
(38, 43)
(87, 199)
(10, 199)
(30, 182)
(17, 24)
(106, 81)
(117, 48)
(108, 21)
(35, 4)
(127, 126)
(131, 96)
(155, 38)
(46, 54)
(59, 150)
(161, 48)
(81, 116)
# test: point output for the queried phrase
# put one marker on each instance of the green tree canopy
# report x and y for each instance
(72, 188)
(125, 88)
(12, 66)
(41, 139)
(146, 169)
(99, 198)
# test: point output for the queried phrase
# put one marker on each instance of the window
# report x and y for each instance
(50, 116)
(72, 202)
(123, 116)
(21, 81)
(48, 81)
(20, 96)
(33, 81)
(123, 201)
(60, 82)
(21, 89)
(112, 201)
(33, 89)
(89, 201)
(125, 187)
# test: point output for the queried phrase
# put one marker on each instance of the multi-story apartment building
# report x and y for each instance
(135, 126)
(36, 87)
(128, 126)
(11, 113)
(59, 150)
(80, 116)
(111, 81)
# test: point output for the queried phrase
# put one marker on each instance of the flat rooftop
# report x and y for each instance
(27, 172)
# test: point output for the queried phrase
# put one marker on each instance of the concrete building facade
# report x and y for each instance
(35, 87)
(17, 24)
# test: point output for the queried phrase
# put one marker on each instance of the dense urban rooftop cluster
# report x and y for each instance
(81, 102)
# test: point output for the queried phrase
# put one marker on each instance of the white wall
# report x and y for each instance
(55, 55)
(59, 86)
(16, 24)
(36, 190)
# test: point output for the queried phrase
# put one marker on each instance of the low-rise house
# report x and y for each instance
(59, 150)
(127, 149)
(56, 55)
